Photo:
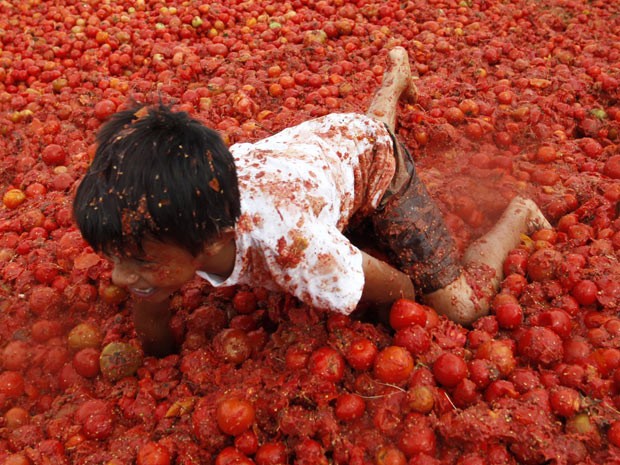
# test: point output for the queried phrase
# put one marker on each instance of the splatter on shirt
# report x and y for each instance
(299, 189)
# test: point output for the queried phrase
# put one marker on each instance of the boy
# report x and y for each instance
(165, 200)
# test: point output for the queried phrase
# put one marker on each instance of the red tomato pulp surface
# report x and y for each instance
(516, 97)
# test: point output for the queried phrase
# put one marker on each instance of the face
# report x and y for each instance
(154, 275)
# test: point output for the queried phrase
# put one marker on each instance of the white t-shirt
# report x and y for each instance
(299, 189)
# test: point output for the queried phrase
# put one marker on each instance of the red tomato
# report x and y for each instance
(231, 456)
(247, 442)
(564, 401)
(414, 338)
(540, 345)
(361, 354)
(296, 358)
(418, 440)
(389, 455)
(393, 364)
(11, 384)
(585, 292)
(405, 312)
(104, 109)
(232, 345)
(16, 417)
(86, 362)
(349, 407)
(613, 433)
(543, 263)
(96, 419)
(327, 363)
(244, 302)
(44, 330)
(509, 315)
(234, 415)
(271, 453)
(558, 320)
(153, 453)
(449, 369)
(53, 154)
(465, 393)
(16, 355)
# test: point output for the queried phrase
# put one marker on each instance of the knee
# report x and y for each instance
(458, 302)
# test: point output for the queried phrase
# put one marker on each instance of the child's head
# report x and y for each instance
(157, 174)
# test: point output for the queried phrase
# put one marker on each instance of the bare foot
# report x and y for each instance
(535, 218)
(399, 73)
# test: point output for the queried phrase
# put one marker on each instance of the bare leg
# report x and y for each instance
(396, 81)
(457, 300)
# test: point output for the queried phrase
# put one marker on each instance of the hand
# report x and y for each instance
(383, 284)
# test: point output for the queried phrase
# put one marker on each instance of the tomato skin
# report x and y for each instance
(421, 398)
(449, 369)
(405, 312)
(585, 292)
(613, 433)
(96, 419)
(390, 456)
(543, 263)
(11, 384)
(349, 407)
(327, 363)
(414, 338)
(509, 315)
(361, 354)
(271, 453)
(244, 302)
(247, 442)
(153, 453)
(234, 415)
(564, 401)
(540, 345)
(232, 345)
(393, 364)
(15, 356)
(230, 456)
(86, 362)
(16, 417)
(13, 198)
(418, 440)
(515, 262)
(556, 319)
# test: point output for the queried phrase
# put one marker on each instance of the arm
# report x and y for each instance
(383, 284)
(152, 323)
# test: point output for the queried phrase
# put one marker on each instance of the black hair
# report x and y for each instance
(156, 174)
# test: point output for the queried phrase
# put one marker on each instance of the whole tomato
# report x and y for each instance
(271, 453)
(349, 407)
(449, 369)
(234, 415)
(153, 453)
(405, 312)
(327, 363)
(361, 354)
(393, 364)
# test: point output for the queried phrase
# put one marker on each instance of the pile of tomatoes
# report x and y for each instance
(516, 97)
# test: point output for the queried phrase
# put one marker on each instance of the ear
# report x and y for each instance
(223, 240)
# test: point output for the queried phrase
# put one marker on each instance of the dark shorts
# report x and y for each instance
(410, 229)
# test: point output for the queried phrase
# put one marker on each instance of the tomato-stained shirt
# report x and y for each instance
(299, 189)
